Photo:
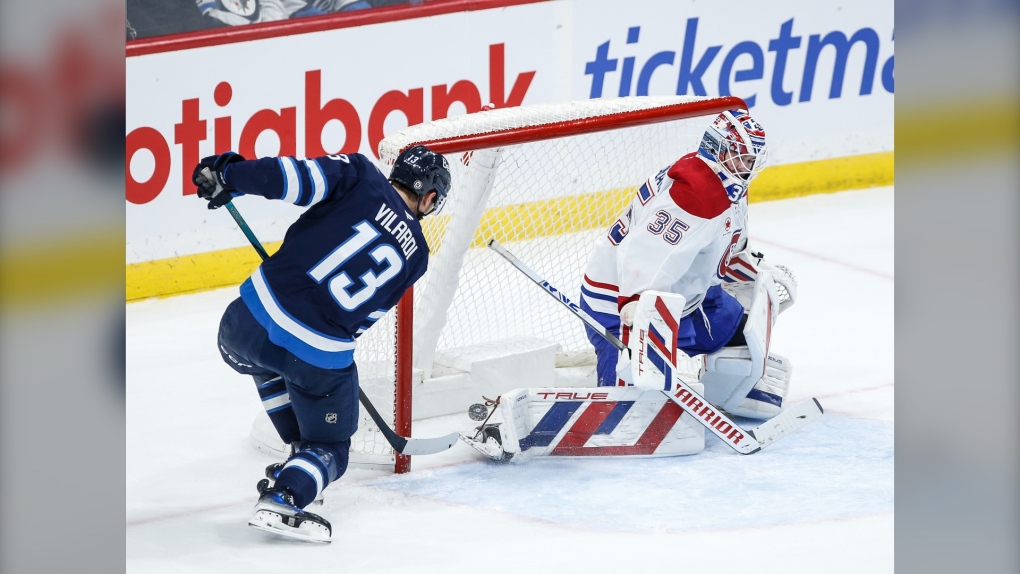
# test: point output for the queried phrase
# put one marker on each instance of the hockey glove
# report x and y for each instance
(210, 180)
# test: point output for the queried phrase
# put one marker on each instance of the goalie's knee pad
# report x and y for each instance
(730, 385)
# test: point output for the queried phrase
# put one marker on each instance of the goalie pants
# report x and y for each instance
(712, 326)
(313, 406)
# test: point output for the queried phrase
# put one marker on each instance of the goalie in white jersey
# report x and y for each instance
(685, 233)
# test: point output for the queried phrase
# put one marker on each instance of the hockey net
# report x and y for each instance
(543, 180)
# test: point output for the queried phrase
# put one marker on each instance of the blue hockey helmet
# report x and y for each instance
(422, 170)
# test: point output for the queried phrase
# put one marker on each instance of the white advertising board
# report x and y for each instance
(818, 76)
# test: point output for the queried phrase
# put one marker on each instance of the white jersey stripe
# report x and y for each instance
(270, 381)
(285, 321)
(309, 468)
(600, 292)
(291, 180)
(601, 306)
(318, 181)
(276, 402)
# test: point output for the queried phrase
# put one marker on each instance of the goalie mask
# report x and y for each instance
(735, 144)
(422, 170)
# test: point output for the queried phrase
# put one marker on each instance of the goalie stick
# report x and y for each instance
(403, 445)
(592, 323)
(744, 441)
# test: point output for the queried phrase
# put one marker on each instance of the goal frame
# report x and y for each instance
(404, 339)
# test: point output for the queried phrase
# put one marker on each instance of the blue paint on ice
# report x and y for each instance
(835, 468)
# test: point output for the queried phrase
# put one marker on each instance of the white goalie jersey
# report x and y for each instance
(677, 236)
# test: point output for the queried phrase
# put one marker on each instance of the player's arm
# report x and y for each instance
(303, 182)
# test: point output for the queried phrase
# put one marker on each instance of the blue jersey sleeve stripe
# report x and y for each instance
(318, 181)
(291, 180)
(593, 295)
(608, 319)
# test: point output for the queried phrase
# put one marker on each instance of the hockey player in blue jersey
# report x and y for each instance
(343, 264)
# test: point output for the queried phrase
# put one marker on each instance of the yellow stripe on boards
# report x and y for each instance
(822, 176)
(552, 216)
(193, 273)
(204, 271)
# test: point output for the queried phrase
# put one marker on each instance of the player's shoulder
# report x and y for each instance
(349, 161)
(696, 188)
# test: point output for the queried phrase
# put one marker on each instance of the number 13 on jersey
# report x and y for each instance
(339, 284)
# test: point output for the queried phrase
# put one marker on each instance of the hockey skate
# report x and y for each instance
(275, 512)
(488, 441)
(272, 473)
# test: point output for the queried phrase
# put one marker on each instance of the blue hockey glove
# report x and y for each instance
(208, 177)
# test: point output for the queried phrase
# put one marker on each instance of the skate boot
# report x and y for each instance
(488, 441)
(272, 473)
(490, 433)
(275, 512)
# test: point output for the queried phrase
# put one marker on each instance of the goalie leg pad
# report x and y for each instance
(747, 381)
(726, 376)
(611, 421)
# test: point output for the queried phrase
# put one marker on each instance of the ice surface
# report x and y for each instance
(820, 500)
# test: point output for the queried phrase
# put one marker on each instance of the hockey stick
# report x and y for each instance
(408, 446)
(246, 230)
(744, 441)
(591, 323)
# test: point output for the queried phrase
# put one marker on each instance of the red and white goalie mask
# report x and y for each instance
(735, 144)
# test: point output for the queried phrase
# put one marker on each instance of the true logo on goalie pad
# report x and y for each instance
(572, 396)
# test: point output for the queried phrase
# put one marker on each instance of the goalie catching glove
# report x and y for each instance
(742, 272)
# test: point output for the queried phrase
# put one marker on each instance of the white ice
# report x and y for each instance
(820, 500)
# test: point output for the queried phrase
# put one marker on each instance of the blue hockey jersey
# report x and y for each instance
(343, 264)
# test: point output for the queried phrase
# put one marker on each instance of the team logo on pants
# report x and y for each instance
(331, 418)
